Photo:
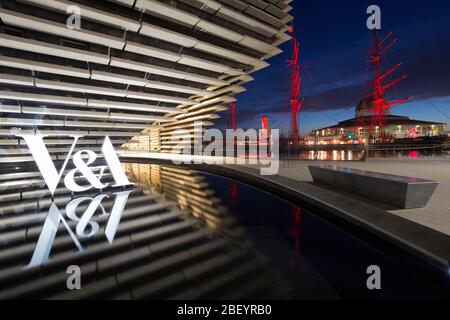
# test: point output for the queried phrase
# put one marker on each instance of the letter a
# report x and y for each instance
(114, 164)
(74, 20)
(74, 280)
(374, 21)
(374, 281)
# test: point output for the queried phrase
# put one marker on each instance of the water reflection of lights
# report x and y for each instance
(156, 240)
(294, 230)
(335, 155)
(413, 154)
(356, 154)
(188, 189)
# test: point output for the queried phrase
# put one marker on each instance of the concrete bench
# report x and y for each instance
(401, 192)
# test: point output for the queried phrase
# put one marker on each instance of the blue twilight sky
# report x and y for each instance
(334, 43)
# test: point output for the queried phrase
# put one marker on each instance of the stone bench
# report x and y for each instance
(401, 192)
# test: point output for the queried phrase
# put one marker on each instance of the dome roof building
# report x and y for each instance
(365, 107)
(396, 127)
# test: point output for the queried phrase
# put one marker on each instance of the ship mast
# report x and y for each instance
(295, 87)
(380, 107)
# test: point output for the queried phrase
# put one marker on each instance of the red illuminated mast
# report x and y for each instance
(264, 123)
(295, 87)
(233, 115)
(380, 106)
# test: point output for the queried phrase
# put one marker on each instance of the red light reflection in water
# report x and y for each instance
(413, 154)
(294, 230)
(233, 190)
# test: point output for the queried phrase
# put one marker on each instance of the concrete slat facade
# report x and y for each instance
(134, 70)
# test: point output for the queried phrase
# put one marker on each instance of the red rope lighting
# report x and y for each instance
(295, 87)
(379, 106)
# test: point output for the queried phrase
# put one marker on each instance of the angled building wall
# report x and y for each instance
(135, 69)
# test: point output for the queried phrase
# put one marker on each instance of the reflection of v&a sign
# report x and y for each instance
(85, 226)
(52, 177)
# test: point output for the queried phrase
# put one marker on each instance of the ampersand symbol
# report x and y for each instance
(85, 219)
(83, 167)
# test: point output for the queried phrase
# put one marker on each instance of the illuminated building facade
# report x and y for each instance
(396, 127)
(133, 70)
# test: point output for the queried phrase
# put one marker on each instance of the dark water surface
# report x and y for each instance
(182, 234)
(338, 257)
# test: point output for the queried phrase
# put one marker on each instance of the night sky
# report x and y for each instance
(334, 43)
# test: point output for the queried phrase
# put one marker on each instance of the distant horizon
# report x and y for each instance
(330, 123)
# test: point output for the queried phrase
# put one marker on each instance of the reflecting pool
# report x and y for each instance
(177, 233)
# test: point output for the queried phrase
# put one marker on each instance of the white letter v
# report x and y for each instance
(43, 160)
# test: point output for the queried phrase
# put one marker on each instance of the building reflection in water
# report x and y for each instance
(168, 237)
(326, 155)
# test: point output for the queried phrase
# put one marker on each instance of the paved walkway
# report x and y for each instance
(437, 213)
